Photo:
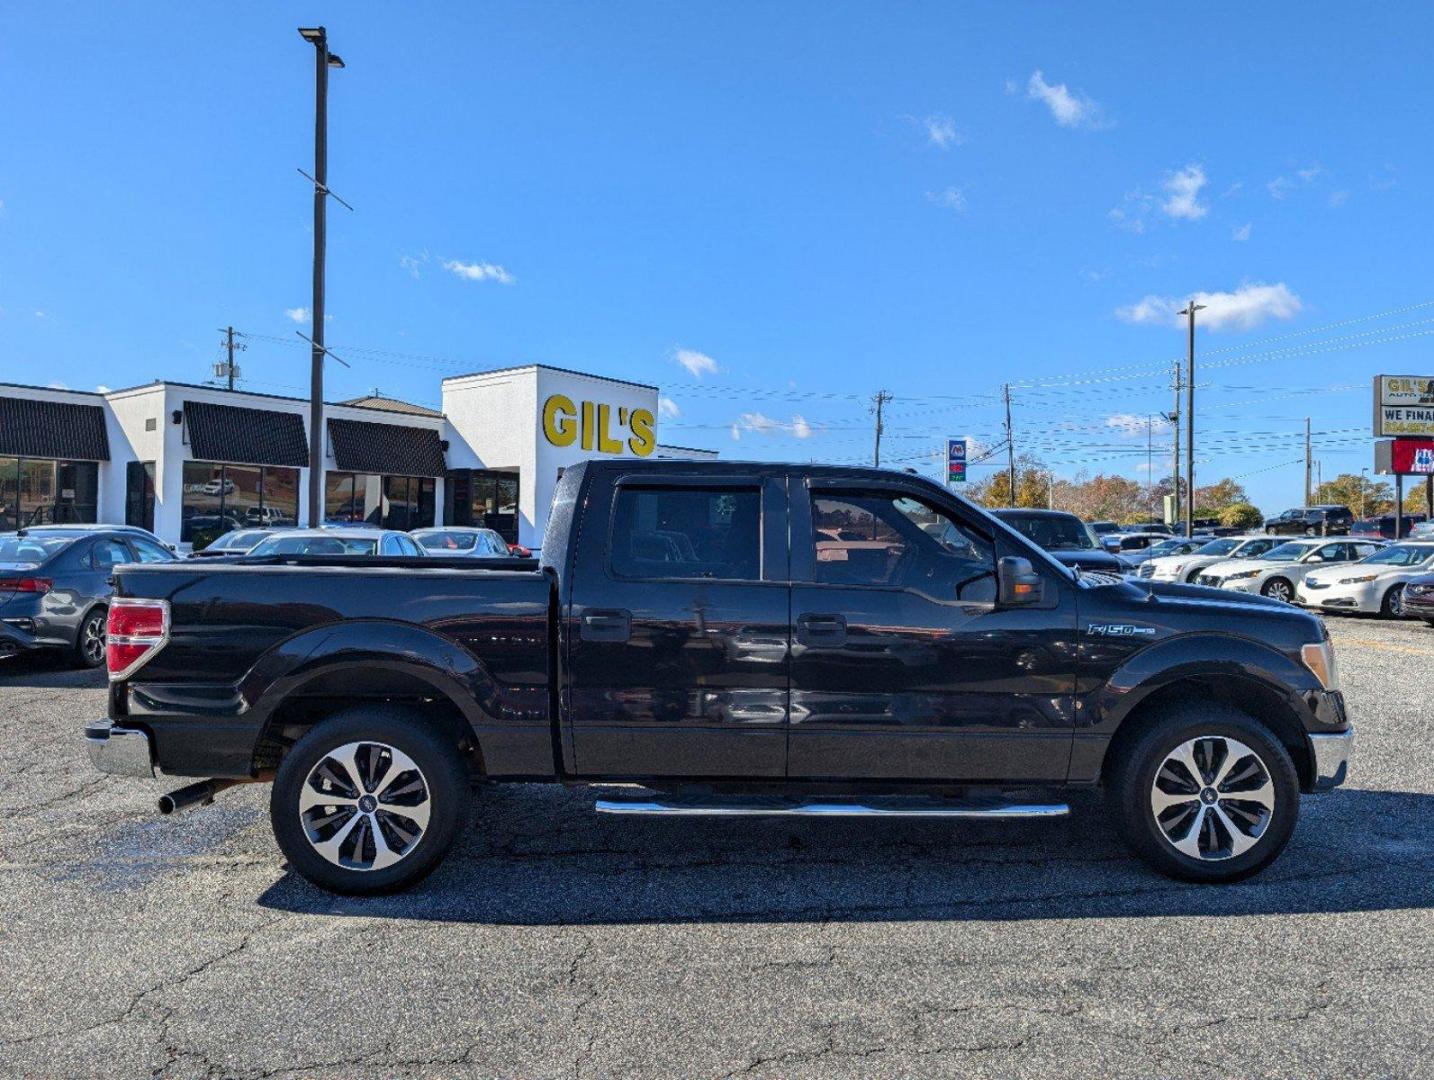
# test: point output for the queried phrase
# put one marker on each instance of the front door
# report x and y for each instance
(678, 630)
(903, 665)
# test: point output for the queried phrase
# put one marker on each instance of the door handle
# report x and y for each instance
(821, 629)
(614, 625)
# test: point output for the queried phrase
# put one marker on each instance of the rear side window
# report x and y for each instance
(150, 552)
(687, 533)
(109, 553)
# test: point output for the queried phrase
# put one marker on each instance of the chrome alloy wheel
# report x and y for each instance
(92, 639)
(364, 806)
(1212, 798)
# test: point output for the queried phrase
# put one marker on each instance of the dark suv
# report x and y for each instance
(1311, 521)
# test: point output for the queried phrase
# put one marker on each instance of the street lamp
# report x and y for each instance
(1190, 310)
(1362, 483)
(318, 37)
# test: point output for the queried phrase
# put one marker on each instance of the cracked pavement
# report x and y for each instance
(556, 943)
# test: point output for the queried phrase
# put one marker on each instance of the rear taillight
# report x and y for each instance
(135, 631)
(26, 584)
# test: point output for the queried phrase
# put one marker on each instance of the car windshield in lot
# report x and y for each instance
(1287, 552)
(242, 540)
(1054, 532)
(1223, 546)
(31, 550)
(316, 545)
(447, 541)
(1401, 555)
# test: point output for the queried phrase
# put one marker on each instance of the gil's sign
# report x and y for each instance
(1403, 405)
(955, 461)
(590, 424)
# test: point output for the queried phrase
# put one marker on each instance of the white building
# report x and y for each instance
(190, 462)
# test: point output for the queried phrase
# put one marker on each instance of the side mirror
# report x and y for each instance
(1018, 583)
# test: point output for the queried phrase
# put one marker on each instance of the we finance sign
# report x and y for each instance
(1403, 405)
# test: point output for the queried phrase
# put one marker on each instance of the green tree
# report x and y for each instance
(1033, 488)
(1212, 499)
(1241, 515)
(1364, 496)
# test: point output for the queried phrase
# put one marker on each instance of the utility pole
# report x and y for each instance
(1173, 416)
(1150, 464)
(882, 397)
(1010, 445)
(229, 349)
(323, 60)
(1190, 309)
(1309, 462)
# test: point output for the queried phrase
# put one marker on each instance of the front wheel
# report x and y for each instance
(369, 801)
(1279, 589)
(1393, 604)
(1205, 793)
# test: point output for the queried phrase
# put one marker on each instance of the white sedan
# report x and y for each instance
(1374, 585)
(1187, 567)
(1279, 570)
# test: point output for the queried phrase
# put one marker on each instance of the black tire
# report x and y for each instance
(1192, 577)
(1131, 778)
(1279, 589)
(90, 639)
(1392, 606)
(1429, 622)
(379, 730)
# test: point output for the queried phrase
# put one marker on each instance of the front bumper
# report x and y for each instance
(1359, 597)
(1331, 758)
(119, 750)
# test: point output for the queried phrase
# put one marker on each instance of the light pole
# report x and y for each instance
(1362, 482)
(1190, 310)
(323, 60)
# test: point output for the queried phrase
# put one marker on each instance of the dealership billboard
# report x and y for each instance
(1405, 457)
(1403, 406)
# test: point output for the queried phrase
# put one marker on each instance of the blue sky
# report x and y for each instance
(805, 203)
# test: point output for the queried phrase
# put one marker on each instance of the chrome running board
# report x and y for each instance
(884, 806)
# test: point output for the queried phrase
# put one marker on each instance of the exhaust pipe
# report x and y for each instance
(198, 794)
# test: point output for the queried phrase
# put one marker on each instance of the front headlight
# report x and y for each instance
(1357, 580)
(1243, 574)
(1319, 658)
(1177, 568)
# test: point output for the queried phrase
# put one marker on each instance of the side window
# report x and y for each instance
(1363, 551)
(148, 551)
(885, 540)
(687, 533)
(408, 546)
(107, 554)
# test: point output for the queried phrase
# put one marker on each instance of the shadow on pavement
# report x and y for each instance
(540, 856)
(50, 669)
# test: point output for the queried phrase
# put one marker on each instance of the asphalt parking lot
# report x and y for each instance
(557, 943)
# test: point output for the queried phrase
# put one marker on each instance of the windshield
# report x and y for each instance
(1218, 547)
(447, 541)
(1400, 555)
(316, 545)
(30, 549)
(1167, 547)
(1053, 532)
(241, 541)
(1286, 552)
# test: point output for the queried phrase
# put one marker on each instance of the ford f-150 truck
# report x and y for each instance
(719, 638)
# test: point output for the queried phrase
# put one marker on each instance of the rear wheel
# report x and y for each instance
(369, 801)
(1205, 793)
(1392, 606)
(1279, 589)
(90, 640)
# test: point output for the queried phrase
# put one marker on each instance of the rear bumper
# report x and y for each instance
(14, 641)
(119, 750)
(1331, 755)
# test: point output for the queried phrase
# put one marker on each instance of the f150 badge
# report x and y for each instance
(1120, 630)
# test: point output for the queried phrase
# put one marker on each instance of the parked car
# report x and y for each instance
(1170, 546)
(356, 540)
(1187, 568)
(760, 677)
(236, 542)
(1276, 573)
(1386, 525)
(463, 541)
(55, 586)
(1125, 543)
(1327, 520)
(1419, 598)
(1422, 531)
(1064, 536)
(519, 551)
(1100, 528)
(1374, 585)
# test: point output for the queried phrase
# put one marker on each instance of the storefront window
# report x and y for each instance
(220, 498)
(483, 498)
(390, 502)
(41, 491)
(139, 494)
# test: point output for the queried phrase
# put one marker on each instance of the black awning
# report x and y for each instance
(239, 436)
(53, 429)
(396, 449)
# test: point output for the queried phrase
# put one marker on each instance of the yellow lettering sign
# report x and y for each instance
(593, 426)
(559, 420)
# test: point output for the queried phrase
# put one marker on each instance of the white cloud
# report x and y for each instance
(1240, 233)
(1308, 175)
(1245, 308)
(1279, 187)
(942, 132)
(1133, 214)
(1338, 198)
(58, 386)
(762, 424)
(736, 433)
(1072, 110)
(697, 363)
(1182, 194)
(478, 271)
(413, 264)
(800, 428)
(952, 198)
(667, 408)
(41, 314)
(102, 389)
(297, 314)
(1131, 424)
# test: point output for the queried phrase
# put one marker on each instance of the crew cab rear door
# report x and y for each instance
(904, 667)
(677, 632)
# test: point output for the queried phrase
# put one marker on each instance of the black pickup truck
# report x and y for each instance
(724, 638)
